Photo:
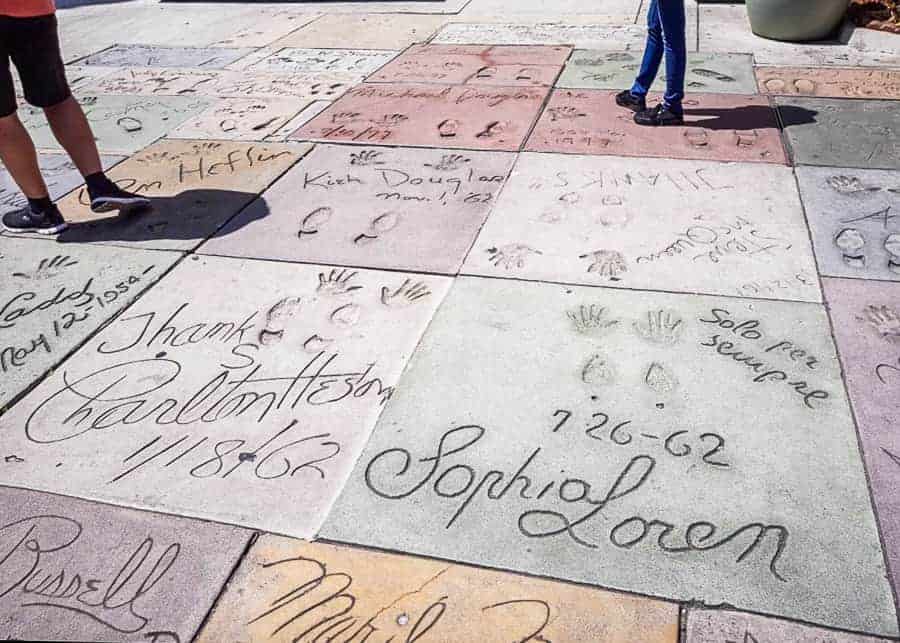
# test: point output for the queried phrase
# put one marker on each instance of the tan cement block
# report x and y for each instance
(365, 31)
(829, 83)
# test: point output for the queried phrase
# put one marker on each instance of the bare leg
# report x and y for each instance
(20, 158)
(71, 129)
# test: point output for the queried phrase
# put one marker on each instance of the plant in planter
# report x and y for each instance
(796, 20)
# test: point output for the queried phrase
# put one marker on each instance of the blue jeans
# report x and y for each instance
(665, 34)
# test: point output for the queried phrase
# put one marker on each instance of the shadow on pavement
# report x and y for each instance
(749, 117)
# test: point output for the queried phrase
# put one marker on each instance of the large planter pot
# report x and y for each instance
(795, 20)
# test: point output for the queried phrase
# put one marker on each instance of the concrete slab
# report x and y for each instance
(720, 127)
(592, 69)
(274, 24)
(524, 8)
(726, 229)
(78, 571)
(290, 60)
(397, 596)
(829, 83)
(241, 119)
(715, 626)
(60, 175)
(121, 124)
(156, 56)
(725, 28)
(854, 217)
(482, 118)
(223, 84)
(621, 472)
(857, 133)
(235, 390)
(53, 297)
(584, 36)
(365, 31)
(396, 208)
(308, 113)
(866, 321)
(510, 65)
(85, 77)
(196, 186)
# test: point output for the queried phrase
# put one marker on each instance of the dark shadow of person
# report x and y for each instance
(748, 117)
(180, 222)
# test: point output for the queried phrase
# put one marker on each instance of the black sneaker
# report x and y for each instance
(48, 221)
(659, 115)
(112, 197)
(630, 101)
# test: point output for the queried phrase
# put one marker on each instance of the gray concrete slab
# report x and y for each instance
(80, 571)
(236, 391)
(690, 447)
(842, 133)
(52, 297)
(241, 119)
(121, 124)
(592, 69)
(60, 175)
(157, 56)
(397, 208)
(715, 626)
(854, 216)
(585, 36)
(657, 224)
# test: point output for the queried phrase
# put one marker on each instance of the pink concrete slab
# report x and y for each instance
(866, 320)
(72, 570)
(829, 83)
(480, 118)
(511, 65)
(721, 626)
(718, 127)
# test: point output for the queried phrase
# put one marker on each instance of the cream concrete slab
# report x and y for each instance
(365, 31)
(630, 440)
(157, 56)
(80, 571)
(842, 133)
(394, 597)
(290, 60)
(854, 217)
(223, 83)
(121, 124)
(725, 28)
(273, 24)
(60, 175)
(509, 65)
(716, 626)
(53, 296)
(396, 208)
(561, 8)
(236, 391)
(829, 83)
(483, 117)
(866, 320)
(726, 73)
(241, 119)
(585, 36)
(718, 228)
(85, 77)
(195, 186)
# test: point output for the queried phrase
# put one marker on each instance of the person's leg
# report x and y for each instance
(20, 158)
(653, 52)
(674, 28)
(70, 127)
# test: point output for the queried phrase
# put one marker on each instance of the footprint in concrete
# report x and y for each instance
(311, 223)
(774, 85)
(316, 344)
(380, 225)
(746, 139)
(598, 371)
(448, 128)
(805, 86)
(347, 315)
(660, 379)
(696, 137)
(892, 245)
(277, 318)
(851, 242)
(715, 75)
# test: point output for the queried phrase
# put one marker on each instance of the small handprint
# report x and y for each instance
(366, 157)
(886, 321)
(449, 162)
(847, 184)
(591, 320)
(660, 327)
(336, 283)
(511, 256)
(48, 267)
(408, 293)
(606, 263)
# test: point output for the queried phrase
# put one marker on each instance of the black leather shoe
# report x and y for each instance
(630, 101)
(659, 115)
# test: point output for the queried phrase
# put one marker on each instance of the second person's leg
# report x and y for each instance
(674, 33)
(636, 97)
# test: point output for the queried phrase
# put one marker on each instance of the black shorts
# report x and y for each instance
(32, 44)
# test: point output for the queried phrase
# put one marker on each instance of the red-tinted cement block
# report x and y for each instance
(718, 127)
(480, 118)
